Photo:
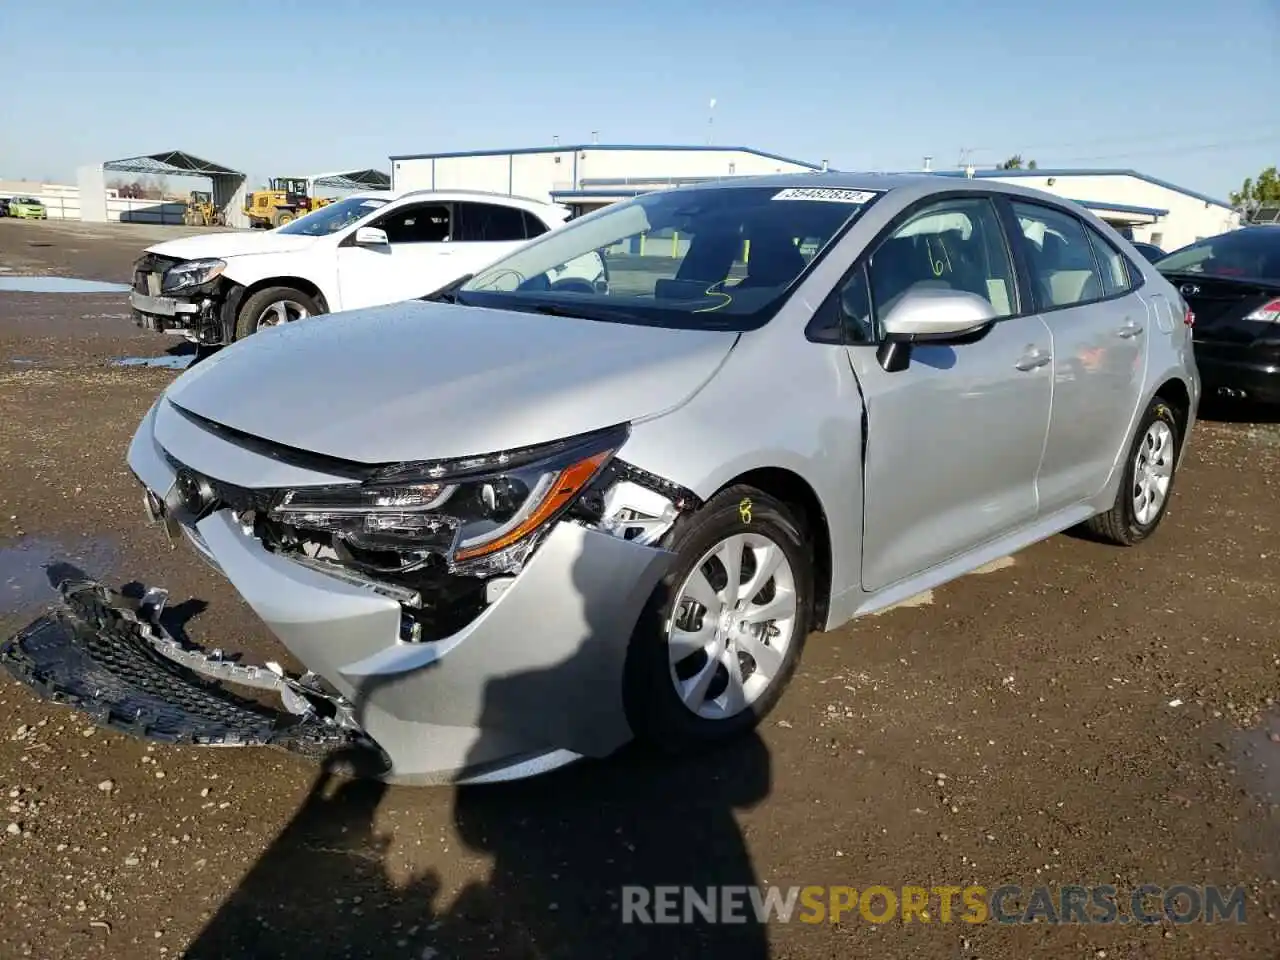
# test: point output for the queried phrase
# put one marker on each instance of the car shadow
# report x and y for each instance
(569, 851)
(1231, 410)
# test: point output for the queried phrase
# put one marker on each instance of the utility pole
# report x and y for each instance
(711, 121)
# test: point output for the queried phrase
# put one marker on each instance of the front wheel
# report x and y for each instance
(1144, 491)
(273, 307)
(723, 632)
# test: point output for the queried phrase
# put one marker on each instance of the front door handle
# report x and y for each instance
(1034, 359)
(1129, 330)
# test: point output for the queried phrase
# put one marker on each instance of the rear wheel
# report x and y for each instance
(272, 307)
(281, 217)
(722, 634)
(1144, 490)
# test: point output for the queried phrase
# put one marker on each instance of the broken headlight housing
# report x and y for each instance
(191, 273)
(480, 514)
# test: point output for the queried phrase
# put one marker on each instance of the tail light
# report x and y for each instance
(1268, 313)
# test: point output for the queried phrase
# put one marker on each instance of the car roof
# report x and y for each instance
(918, 184)
(479, 196)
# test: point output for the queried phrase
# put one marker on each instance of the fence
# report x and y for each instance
(65, 205)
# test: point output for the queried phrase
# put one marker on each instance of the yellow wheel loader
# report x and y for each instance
(284, 200)
(200, 210)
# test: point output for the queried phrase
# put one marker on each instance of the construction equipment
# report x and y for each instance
(284, 200)
(201, 212)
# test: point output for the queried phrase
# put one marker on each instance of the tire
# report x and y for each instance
(252, 311)
(657, 713)
(280, 218)
(1125, 525)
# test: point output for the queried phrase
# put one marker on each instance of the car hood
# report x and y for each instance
(237, 244)
(422, 381)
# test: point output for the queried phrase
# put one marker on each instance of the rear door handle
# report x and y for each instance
(1129, 330)
(1034, 359)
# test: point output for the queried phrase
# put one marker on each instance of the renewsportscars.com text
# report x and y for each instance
(1009, 904)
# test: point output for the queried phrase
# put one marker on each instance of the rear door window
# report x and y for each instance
(1060, 257)
(490, 223)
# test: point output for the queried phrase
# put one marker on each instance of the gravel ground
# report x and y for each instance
(1077, 714)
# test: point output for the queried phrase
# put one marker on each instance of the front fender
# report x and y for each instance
(317, 267)
(728, 429)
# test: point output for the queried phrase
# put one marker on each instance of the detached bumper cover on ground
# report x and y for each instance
(97, 651)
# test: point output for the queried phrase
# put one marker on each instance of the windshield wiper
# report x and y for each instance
(448, 293)
(583, 313)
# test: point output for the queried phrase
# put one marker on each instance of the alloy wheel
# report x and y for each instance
(282, 311)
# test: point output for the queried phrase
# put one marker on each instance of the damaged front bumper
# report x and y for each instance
(110, 656)
(532, 681)
(200, 313)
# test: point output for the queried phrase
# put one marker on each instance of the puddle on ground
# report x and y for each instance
(180, 362)
(1257, 757)
(58, 285)
(25, 563)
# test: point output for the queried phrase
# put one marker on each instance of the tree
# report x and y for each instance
(1015, 163)
(1263, 192)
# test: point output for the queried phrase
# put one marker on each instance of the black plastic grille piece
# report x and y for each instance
(88, 655)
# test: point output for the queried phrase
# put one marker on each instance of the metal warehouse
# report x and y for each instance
(1146, 207)
(588, 176)
(584, 176)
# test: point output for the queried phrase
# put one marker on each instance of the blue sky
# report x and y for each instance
(1181, 90)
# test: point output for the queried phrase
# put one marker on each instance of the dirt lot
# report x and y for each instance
(1077, 715)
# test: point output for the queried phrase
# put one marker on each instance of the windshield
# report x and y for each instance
(1251, 254)
(718, 257)
(335, 216)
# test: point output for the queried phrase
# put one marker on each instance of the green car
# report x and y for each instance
(28, 208)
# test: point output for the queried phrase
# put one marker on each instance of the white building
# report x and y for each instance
(584, 176)
(1143, 206)
(588, 176)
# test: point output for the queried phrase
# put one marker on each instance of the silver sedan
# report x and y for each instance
(534, 516)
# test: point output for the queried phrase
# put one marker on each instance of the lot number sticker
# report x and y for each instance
(827, 194)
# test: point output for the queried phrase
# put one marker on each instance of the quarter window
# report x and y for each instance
(1111, 262)
(1061, 262)
(533, 227)
(426, 223)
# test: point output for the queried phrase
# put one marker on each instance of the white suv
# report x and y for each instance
(364, 250)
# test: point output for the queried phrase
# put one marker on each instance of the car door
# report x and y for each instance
(1082, 287)
(417, 259)
(953, 441)
(489, 231)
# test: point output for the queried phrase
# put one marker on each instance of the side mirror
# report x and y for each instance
(371, 237)
(930, 315)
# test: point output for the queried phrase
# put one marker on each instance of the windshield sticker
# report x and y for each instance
(374, 203)
(826, 194)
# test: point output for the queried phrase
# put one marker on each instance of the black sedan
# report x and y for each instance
(1148, 250)
(1231, 282)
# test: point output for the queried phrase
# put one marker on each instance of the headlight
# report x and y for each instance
(477, 512)
(193, 273)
